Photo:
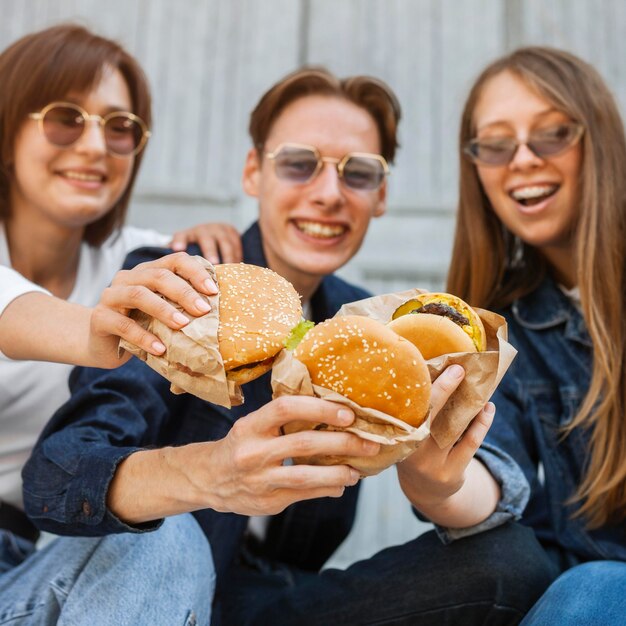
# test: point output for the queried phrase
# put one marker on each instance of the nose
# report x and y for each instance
(91, 141)
(327, 189)
(525, 158)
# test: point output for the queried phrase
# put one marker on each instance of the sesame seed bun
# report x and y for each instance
(426, 321)
(258, 308)
(365, 361)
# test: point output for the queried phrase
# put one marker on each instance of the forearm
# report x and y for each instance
(151, 484)
(474, 502)
(39, 327)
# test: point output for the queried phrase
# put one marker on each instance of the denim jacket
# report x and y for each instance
(540, 394)
(112, 414)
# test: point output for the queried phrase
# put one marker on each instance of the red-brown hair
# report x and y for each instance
(368, 93)
(45, 66)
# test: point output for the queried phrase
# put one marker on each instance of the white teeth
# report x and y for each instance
(83, 176)
(530, 193)
(315, 229)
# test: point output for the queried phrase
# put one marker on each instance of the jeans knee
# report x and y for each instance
(184, 541)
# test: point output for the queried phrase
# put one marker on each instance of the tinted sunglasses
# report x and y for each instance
(297, 163)
(543, 142)
(63, 123)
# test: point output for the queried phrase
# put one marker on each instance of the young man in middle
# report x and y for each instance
(125, 453)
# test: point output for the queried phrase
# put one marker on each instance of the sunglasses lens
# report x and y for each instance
(553, 140)
(123, 134)
(297, 165)
(63, 125)
(492, 152)
(363, 173)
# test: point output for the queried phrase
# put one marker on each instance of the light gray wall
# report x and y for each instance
(209, 61)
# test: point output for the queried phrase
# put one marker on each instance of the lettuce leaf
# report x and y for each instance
(297, 334)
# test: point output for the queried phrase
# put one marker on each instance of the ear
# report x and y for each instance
(251, 176)
(380, 207)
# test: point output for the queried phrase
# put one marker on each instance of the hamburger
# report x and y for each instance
(439, 323)
(365, 361)
(258, 309)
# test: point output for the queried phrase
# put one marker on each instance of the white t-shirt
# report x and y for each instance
(12, 285)
(31, 391)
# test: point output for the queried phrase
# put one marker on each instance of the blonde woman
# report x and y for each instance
(541, 236)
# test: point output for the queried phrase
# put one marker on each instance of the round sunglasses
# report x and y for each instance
(63, 123)
(299, 164)
(543, 142)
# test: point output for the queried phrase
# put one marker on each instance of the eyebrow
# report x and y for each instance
(538, 115)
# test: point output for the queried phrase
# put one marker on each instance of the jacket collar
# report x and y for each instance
(547, 307)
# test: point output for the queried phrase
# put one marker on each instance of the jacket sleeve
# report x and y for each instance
(110, 415)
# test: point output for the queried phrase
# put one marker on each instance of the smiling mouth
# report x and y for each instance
(529, 196)
(319, 230)
(83, 176)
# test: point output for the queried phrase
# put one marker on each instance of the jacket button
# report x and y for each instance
(86, 508)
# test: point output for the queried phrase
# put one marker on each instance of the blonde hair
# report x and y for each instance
(491, 280)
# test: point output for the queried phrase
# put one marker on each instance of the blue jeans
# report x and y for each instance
(161, 577)
(490, 578)
(591, 593)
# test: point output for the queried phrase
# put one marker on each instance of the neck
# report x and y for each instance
(305, 284)
(562, 265)
(44, 253)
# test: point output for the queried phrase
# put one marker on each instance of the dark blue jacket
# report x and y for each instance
(540, 394)
(114, 413)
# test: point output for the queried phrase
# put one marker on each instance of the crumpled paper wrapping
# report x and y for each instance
(483, 372)
(397, 438)
(192, 361)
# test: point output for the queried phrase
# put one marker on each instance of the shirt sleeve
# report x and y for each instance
(13, 285)
(110, 415)
(507, 452)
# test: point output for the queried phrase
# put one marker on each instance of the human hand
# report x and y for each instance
(179, 277)
(219, 242)
(244, 472)
(432, 476)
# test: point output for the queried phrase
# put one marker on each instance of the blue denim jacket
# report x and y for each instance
(541, 393)
(112, 414)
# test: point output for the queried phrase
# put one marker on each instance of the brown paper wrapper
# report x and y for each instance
(397, 438)
(192, 361)
(483, 370)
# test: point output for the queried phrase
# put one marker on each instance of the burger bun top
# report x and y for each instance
(257, 310)
(361, 359)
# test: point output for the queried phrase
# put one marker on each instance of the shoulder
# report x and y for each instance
(349, 291)
(151, 253)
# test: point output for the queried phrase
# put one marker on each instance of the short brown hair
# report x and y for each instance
(366, 92)
(45, 66)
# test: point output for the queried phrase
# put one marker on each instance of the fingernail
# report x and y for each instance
(180, 319)
(203, 305)
(177, 245)
(490, 408)
(456, 371)
(210, 285)
(355, 476)
(345, 416)
(158, 347)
